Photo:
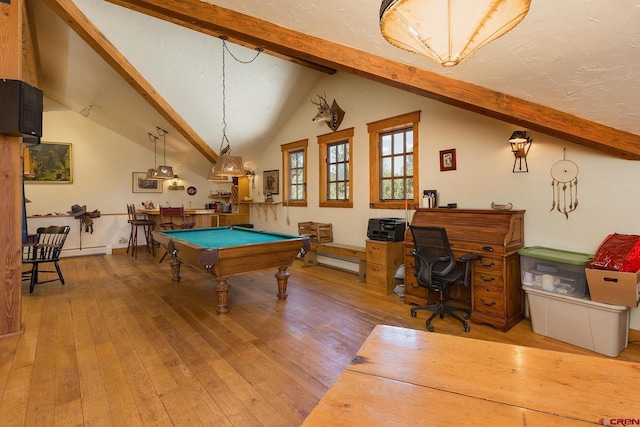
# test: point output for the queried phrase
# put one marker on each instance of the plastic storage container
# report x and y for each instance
(598, 327)
(554, 270)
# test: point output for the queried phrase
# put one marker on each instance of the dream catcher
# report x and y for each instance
(564, 174)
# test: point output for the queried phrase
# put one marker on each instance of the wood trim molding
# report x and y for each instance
(323, 142)
(211, 19)
(70, 13)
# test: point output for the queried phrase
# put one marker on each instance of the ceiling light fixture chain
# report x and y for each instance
(163, 133)
(224, 102)
(163, 171)
(154, 140)
(228, 165)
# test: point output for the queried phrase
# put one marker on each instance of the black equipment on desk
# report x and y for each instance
(386, 229)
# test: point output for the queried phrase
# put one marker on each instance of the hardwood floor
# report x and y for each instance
(121, 344)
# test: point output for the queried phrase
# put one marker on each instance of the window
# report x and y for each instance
(393, 149)
(336, 174)
(294, 166)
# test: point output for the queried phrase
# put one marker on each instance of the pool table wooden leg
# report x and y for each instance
(222, 291)
(283, 276)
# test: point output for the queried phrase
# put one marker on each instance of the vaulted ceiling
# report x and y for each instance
(570, 69)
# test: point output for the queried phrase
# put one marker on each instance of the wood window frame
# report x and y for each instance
(323, 142)
(375, 129)
(286, 171)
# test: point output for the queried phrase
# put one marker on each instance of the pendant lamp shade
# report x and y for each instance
(217, 178)
(229, 166)
(448, 31)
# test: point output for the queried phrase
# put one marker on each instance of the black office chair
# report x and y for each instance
(436, 269)
(45, 247)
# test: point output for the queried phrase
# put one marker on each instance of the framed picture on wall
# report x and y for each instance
(49, 163)
(448, 160)
(140, 183)
(271, 181)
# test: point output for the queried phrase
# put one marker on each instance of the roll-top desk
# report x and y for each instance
(495, 293)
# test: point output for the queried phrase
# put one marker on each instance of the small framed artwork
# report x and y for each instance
(271, 181)
(140, 183)
(448, 160)
(50, 163)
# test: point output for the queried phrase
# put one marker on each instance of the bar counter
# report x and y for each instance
(202, 217)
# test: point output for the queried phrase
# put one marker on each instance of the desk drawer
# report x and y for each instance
(488, 278)
(476, 247)
(411, 287)
(488, 301)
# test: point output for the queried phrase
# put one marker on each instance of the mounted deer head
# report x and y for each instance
(331, 115)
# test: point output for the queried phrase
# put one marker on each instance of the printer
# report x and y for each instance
(386, 229)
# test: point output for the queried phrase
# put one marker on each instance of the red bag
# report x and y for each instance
(618, 252)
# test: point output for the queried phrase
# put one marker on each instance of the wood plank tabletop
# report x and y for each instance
(408, 377)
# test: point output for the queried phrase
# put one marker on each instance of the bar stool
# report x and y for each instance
(136, 220)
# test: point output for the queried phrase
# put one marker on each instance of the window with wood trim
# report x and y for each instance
(336, 170)
(294, 166)
(393, 162)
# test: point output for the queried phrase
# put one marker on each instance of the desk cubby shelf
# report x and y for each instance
(265, 207)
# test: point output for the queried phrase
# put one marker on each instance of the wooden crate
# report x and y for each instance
(317, 232)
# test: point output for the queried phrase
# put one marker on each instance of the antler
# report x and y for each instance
(322, 101)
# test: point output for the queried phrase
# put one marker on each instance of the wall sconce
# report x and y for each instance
(251, 176)
(520, 145)
(175, 183)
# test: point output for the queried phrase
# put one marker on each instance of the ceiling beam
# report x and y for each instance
(249, 31)
(68, 11)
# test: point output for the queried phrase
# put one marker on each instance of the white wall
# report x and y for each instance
(103, 162)
(608, 194)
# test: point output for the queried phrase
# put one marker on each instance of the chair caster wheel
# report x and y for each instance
(413, 313)
(466, 316)
(430, 328)
(466, 328)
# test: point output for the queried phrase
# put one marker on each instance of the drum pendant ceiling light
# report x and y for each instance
(164, 171)
(227, 165)
(213, 177)
(152, 173)
(448, 31)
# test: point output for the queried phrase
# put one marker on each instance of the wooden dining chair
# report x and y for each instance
(167, 214)
(44, 248)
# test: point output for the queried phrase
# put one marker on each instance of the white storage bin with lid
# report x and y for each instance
(596, 326)
(554, 270)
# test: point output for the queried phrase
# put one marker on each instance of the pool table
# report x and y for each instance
(227, 251)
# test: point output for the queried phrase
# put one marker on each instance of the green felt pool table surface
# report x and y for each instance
(219, 237)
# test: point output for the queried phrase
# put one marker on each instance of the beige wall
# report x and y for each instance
(102, 163)
(608, 195)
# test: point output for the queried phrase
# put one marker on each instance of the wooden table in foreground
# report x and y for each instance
(407, 377)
